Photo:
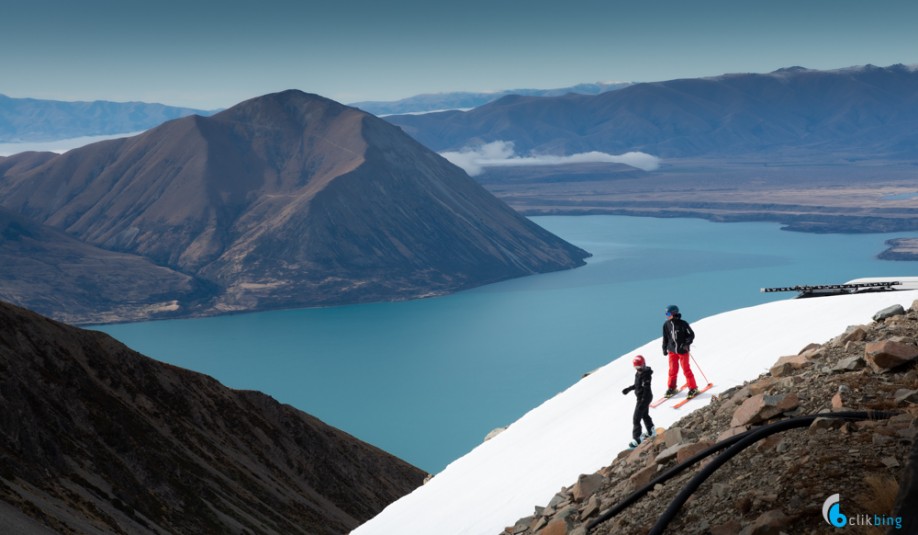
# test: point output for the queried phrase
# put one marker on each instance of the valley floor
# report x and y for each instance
(810, 198)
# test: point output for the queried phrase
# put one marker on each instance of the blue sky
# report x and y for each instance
(215, 54)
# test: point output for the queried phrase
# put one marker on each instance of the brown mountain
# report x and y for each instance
(288, 199)
(50, 272)
(95, 438)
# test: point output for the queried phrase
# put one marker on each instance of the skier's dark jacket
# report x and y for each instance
(677, 336)
(641, 384)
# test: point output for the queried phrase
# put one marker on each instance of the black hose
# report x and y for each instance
(665, 476)
(733, 446)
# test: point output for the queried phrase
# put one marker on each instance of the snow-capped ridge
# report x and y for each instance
(583, 428)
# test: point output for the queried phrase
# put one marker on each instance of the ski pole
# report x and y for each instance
(699, 369)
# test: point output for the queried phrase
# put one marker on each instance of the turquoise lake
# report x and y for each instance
(426, 380)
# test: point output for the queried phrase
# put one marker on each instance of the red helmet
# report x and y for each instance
(638, 361)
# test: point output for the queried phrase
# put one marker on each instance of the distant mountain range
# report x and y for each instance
(860, 112)
(29, 119)
(465, 100)
(285, 200)
(96, 438)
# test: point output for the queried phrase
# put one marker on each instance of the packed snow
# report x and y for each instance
(583, 428)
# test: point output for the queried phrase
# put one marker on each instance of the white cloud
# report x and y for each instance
(501, 153)
(59, 146)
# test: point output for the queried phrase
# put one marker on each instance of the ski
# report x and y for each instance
(686, 400)
(663, 400)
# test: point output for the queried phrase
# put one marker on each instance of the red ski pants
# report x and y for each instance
(676, 360)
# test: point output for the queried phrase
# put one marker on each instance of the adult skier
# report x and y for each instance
(677, 340)
(641, 387)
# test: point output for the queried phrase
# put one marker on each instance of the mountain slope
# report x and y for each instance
(829, 115)
(53, 273)
(29, 119)
(464, 99)
(95, 438)
(288, 199)
(583, 428)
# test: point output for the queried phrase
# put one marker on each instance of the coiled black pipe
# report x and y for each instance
(733, 445)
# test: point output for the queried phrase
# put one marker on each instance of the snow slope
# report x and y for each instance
(583, 428)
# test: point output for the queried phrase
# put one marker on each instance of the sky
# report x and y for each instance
(211, 54)
(584, 428)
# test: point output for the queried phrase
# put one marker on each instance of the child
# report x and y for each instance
(677, 339)
(641, 387)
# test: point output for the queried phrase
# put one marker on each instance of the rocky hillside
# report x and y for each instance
(284, 200)
(779, 484)
(98, 439)
(47, 270)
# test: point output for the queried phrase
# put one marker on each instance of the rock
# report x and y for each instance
(494, 432)
(809, 347)
(768, 523)
(838, 403)
(732, 432)
(521, 525)
(849, 364)
(826, 423)
(890, 462)
(814, 353)
(906, 396)
(730, 528)
(762, 385)
(762, 407)
(643, 476)
(673, 436)
(586, 486)
(669, 453)
(558, 526)
(887, 355)
(888, 312)
(591, 508)
(690, 450)
(855, 333)
(559, 500)
(786, 366)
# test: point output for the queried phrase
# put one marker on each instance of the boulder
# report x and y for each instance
(586, 486)
(690, 450)
(789, 365)
(903, 395)
(762, 407)
(643, 476)
(673, 436)
(855, 333)
(849, 364)
(768, 523)
(888, 312)
(591, 508)
(558, 526)
(887, 355)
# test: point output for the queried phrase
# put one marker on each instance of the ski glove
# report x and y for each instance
(626, 390)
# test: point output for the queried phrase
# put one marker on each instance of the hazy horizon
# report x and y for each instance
(213, 55)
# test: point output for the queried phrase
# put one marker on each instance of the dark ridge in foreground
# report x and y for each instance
(96, 438)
